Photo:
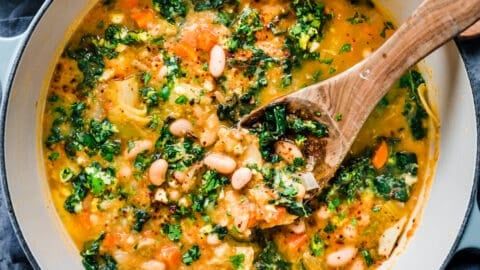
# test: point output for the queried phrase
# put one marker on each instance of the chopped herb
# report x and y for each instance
(237, 261)
(357, 18)
(317, 246)
(270, 259)
(53, 156)
(367, 257)
(171, 10)
(192, 255)
(244, 28)
(386, 26)
(141, 217)
(347, 47)
(172, 231)
(93, 259)
(181, 100)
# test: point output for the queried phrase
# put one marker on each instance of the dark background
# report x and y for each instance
(14, 18)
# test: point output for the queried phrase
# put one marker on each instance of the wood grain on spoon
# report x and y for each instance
(355, 92)
(472, 32)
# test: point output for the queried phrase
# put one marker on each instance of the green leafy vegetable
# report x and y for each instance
(94, 179)
(347, 47)
(244, 29)
(93, 259)
(171, 10)
(270, 259)
(141, 217)
(276, 124)
(317, 246)
(201, 5)
(172, 231)
(207, 194)
(357, 18)
(237, 261)
(192, 255)
(413, 110)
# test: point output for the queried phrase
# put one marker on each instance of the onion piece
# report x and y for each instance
(309, 181)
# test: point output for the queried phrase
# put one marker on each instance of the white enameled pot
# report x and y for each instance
(26, 65)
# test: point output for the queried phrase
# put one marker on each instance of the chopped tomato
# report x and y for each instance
(142, 17)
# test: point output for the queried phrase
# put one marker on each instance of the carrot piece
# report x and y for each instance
(206, 40)
(128, 4)
(185, 51)
(296, 242)
(170, 255)
(142, 17)
(110, 241)
(84, 219)
(380, 156)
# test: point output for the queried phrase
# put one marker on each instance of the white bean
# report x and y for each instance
(341, 257)
(220, 163)
(180, 127)
(241, 177)
(139, 147)
(212, 239)
(298, 227)
(349, 232)
(153, 265)
(288, 151)
(158, 171)
(217, 61)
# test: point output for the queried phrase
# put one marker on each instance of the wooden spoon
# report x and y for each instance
(355, 92)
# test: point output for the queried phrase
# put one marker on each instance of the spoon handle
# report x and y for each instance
(433, 23)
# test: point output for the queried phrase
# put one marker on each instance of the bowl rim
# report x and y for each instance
(5, 95)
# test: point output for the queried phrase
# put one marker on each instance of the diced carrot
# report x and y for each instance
(296, 242)
(110, 241)
(170, 255)
(142, 17)
(380, 156)
(185, 51)
(128, 4)
(84, 219)
(206, 40)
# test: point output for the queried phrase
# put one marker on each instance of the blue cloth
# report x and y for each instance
(15, 16)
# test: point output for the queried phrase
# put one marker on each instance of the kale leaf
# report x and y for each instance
(270, 259)
(192, 255)
(201, 5)
(92, 179)
(141, 217)
(93, 259)
(413, 110)
(207, 194)
(179, 153)
(172, 231)
(171, 10)
(244, 28)
(276, 124)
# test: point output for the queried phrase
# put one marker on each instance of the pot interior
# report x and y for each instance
(42, 229)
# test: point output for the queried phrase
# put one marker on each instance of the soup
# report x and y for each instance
(148, 169)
